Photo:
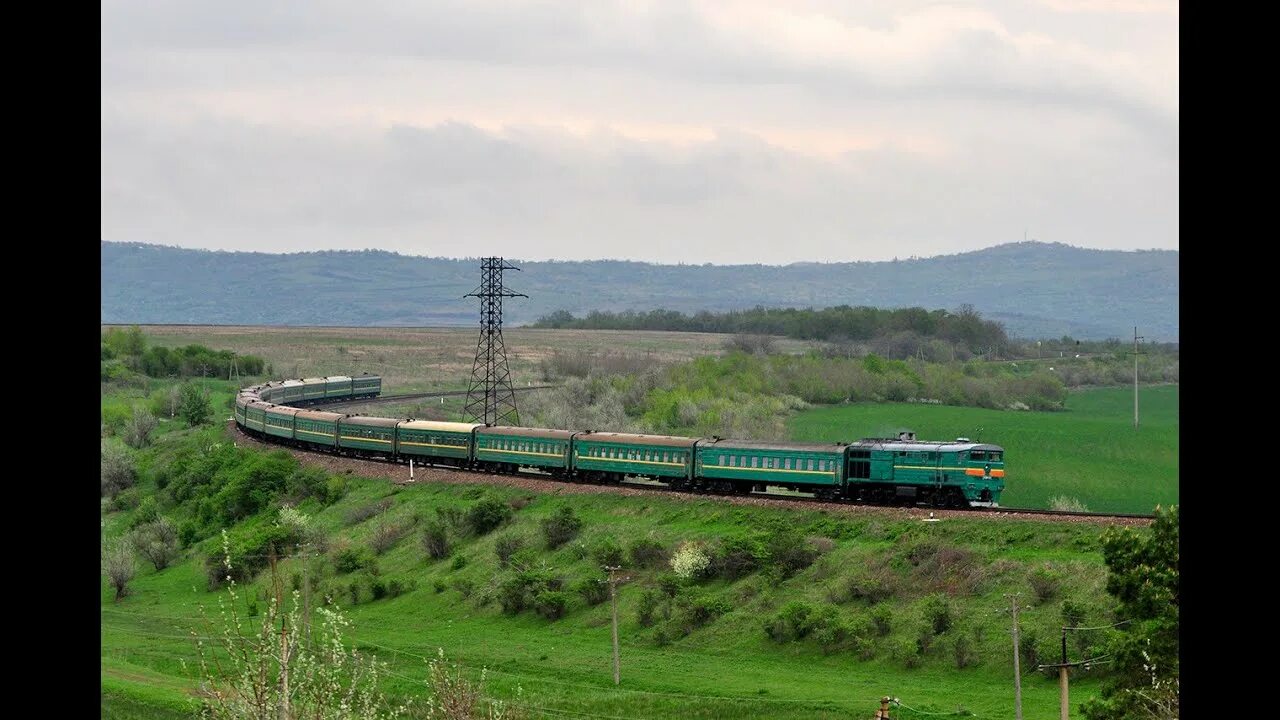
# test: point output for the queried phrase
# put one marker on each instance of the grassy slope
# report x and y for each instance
(1091, 451)
(727, 669)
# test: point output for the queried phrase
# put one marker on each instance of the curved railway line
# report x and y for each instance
(393, 468)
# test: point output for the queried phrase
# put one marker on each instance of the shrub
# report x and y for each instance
(334, 488)
(488, 514)
(561, 527)
(1067, 504)
(670, 583)
(964, 652)
(157, 541)
(648, 605)
(882, 620)
(361, 513)
(700, 610)
(435, 540)
(387, 534)
(690, 561)
(607, 552)
(464, 586)
(118, 566)
(350, 559)
(194, 407)
(118, 471)
(459, 562)
(438, 585)
(551, 604)
(148, 510)
(793, 622)
(937, 613)
(788, 551)
(137, 430)
(647, 553)
(1045, 583)
(594, 590)
(737, 557)
(505, 547)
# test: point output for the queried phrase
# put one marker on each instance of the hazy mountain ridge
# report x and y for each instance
(1036, 289)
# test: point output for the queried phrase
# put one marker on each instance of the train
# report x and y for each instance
(899, 470)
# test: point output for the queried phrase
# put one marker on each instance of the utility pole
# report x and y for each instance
(1136, 353)
(613, 598)
(306, 593)
(1063, 667)
(1017, 672)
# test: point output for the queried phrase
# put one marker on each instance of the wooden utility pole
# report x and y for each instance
(1062, 676)
(1136, 338)
(613, 598)
(1017, 672)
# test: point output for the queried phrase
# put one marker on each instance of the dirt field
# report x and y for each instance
(424, 359)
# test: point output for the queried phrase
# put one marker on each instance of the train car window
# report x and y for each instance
(996, 456)
(787, 464)
(755, 462)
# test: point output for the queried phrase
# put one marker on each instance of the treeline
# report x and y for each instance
(963, 328)
(125, 350)
(751, 395)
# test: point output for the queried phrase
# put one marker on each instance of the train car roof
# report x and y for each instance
(283, 409)
(730, 444)
(291, 382)
(544, 433)
(919, 446)
(370, 421)
(636, 439)
(312, 380)
(320, 415)
(438, 425)
(338, 378)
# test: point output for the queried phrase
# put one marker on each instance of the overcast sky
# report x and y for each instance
(714, 131)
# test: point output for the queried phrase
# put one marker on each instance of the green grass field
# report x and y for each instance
(1090, 451)
(727, 669)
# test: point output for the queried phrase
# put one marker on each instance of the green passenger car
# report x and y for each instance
(317, 427)
(811, 467)
(242, 405)
(290, 392)
(279, 421)
(361, 432)
(337, 387)
(516, 447)
(366, 385)
(255, 416)
(430, 439)
(614, 455)
(313, 389)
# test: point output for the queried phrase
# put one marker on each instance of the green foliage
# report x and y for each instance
(593, 589)
(138, 428)
(647, 553)
(148, 511)
(195, 407)
(551, 604)
(1045, 583)
(793, 622)
(488, 514)
(561, 527)
(1143, 577)
(787, 551)
(506, 546)
(650, 601)
(738, 556)
(607, 552)
(937, 613)
(352, 559)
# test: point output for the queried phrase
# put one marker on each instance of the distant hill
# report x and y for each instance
(1035, 289)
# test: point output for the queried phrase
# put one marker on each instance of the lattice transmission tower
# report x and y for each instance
(490, 398)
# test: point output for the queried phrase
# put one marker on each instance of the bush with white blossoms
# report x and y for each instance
(690, 560)
(290, 518)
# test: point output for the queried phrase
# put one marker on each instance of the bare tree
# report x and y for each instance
(156, 541)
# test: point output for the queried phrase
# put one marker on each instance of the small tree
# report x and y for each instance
(117, 467)
(1143, 576)
(195, 407)
(118, 565)
(561, 527)
(689, 561)
(435, 540)
(454, 697)
(137, 429)
(269, 670)
(157, 541)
